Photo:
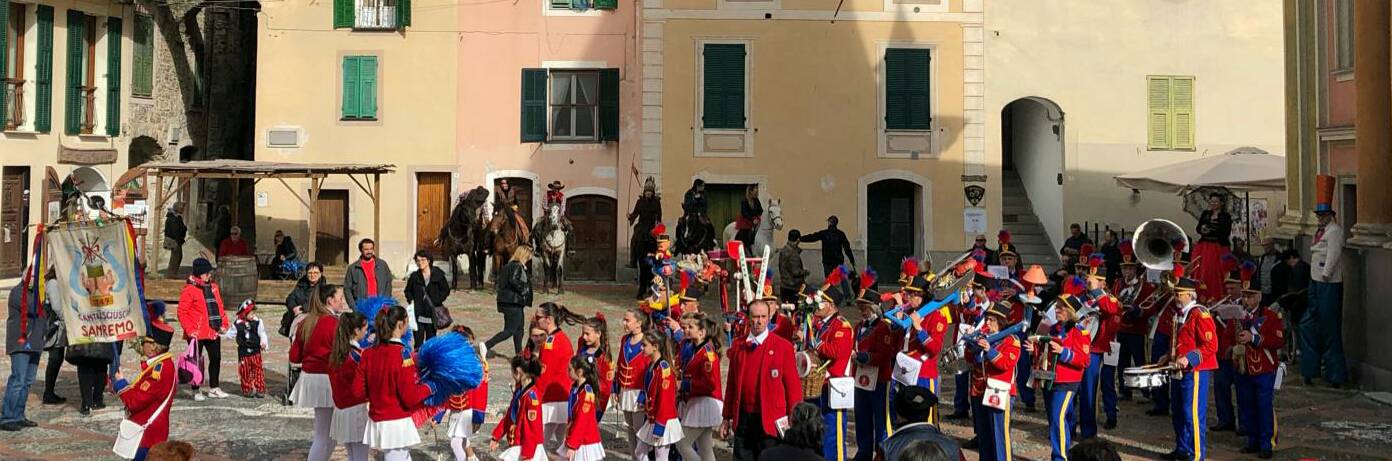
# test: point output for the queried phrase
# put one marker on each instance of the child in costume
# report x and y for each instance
(659, 400)
(350, 407)
(468, 409)
(630, 366)
(250, 334)
(310, 348)
(387, 376)
(521, 425)
(593, 345)
(149, 395)
(582, 436)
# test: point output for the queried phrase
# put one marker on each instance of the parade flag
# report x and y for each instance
(96, 290)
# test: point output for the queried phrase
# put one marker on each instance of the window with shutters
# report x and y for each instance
(907, 89)
(724, 86)
(1170, 119)
(376, 14)
(570, 105)
(143, 59)
(360, 93)
(12, 78)
(86, 73)
(574, 105)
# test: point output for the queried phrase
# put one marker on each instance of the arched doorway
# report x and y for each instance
(522, 192)
(92, 183)
(1032, 150)
(592, 250)
(892, 216)
(144, 149)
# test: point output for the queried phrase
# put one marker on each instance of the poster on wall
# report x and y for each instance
(1258, 215)
(96, 287)
(974, 220)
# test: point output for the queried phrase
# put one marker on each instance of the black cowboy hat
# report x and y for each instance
(555, 185)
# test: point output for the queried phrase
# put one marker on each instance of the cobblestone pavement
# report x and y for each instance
(1315, 422)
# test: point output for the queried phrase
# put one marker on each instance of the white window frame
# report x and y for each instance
(1342, 35)
(383, 13)
(881, 92)
(900, 6)
(748, 130)
(551, 108)
(548, 10)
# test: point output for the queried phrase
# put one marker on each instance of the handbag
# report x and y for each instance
(128, 439)
(170, 244)
(190, 365)
(906, 369)
(866, 377)
(841, 391)
(997, 394)
(442, 316)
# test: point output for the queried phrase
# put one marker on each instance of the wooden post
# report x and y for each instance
(313, 224)
(377, 209)
(156, 227)
(235, 219)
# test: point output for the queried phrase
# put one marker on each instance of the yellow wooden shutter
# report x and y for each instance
(1158, 117)
(1182, 108)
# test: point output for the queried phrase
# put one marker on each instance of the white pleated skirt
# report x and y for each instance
(702, 412)
(313, 391)
(349, 424)
(390, 435)
(462, 425)
(514, 453)
(555, 413)
(671, 434)
(628, 400)
(591, 452)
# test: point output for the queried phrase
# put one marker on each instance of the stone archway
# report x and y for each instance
(144, 149)
(1032, 176)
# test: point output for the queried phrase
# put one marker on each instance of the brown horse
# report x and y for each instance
(505, 232)
(462, 235)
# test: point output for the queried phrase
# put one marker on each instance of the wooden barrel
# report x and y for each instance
(237, 276)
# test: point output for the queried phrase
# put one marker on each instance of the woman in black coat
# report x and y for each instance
(92, 360)
(426, 288)
(514, 293)
(297, 302)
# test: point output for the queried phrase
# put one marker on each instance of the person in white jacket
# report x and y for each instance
(1321, 329)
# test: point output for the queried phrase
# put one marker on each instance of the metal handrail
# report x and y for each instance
(14, 97)
(89, 104)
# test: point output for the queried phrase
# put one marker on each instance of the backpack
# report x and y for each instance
(190, 365)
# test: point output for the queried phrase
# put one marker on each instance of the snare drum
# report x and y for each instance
(1147, 377)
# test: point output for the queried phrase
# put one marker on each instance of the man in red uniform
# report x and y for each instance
(876, 345)
(1131, 290)
(834, 342)
(1165, 308)
(926, 335)
(993, 369)
(1262, 338)
(1099, 374)
(149, 395)
(1227, 314)
(1194, 356)
(762, 387)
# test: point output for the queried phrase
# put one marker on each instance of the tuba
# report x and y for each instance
(1154, 243)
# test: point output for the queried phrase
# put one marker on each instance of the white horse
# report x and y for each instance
(773, 220)
(551, 238)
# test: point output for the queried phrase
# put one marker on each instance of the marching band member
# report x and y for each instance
(1099, 373)
(631, 365)
(1194, 355)
(659, 400)
(582, 441)
(1072, 349)
(350, 408)
(392, 388)
(995, 364)
(1227, 313)
(1131, 290)
(925, 341)
(876, 345)
(593, 345)
(149, 395)
(521, 425)
(554, 353)
(1031, 282)
(968, 315)
(467, 409)
(699, 395)
(1164, 310)
(310, 348)
(1263, 337)
(762, 386)
(834, 342)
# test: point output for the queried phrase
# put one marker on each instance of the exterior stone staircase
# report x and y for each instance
(1017, 215)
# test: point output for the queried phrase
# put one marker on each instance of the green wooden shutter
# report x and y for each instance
(113, 76)
(606, 4)
(4, 60)
(72, 116)
(723, 87)
(403, 13)
(533, 105)
(351, 104)
(907, 104)
(343, 14)
(43, 82)
(1158, 116)
(1182, 108)
(608, 104)
(367, 87)
(142, 57)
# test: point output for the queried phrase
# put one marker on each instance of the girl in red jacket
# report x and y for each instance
(310, 349)
(700, 388)
(521, 425)
(554, 352)
(582, 437)
(594, 347)
(659, 400)
(467, 410)
(350, 408)
(629, 368)
(387, 376)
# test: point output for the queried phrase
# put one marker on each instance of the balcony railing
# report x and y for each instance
(14, 103)
(377, 15)
(89, 104)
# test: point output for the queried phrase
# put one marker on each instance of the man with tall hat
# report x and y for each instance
(926, 333)
(646, 213)
(1321, 330)
(833, 341)
(148, 395)
(877, 343)
(1261, 339)
(1194, 356)
(1101, 375)
(762, 386)
(1227, 313)
(1164, 309)
(1131, 289)
(992, 384)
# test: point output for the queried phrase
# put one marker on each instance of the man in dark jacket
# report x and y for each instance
(23, 344)
(836, 248)
(368, 276)
(176, 232)
(791, 274)
(913, 403)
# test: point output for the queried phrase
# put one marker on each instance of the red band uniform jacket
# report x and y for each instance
(1196, 338)
(313, 356)
(390, 383)
(878, 339)
(835, 343)
(701, 374)
(341, 379)
(997, 363)
(583, 427)
(927, 345)
(661, 404)
(555, 355)
(1263, 354)
(143, 395)
(772, 365)
(521, 426)
(1074, 358)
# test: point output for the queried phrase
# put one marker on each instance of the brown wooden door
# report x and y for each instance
(522, 190)
(331, 227)
(13, 229)
(432, 208)
(591, 254)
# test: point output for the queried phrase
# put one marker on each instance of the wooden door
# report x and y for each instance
(724, 201)
(432, 208)
(13, 229)
(522, 190)
(331, 227)
(891, 219)
(594, 220)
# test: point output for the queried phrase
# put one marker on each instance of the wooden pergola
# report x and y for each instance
(184, 172)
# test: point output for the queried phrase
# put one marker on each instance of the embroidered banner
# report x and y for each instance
(96, 289)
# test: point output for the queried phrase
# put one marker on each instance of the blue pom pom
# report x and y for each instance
(449, 365)
(369, 307)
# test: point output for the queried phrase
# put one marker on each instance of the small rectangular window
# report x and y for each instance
(574, 104)
(359, 88)
(907, 89)
(142, 75)
(376, 14)
(1343, 35)
(723, 86)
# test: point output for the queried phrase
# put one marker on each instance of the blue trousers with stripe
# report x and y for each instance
(1189, 413)
(1022, 375)
(1159, 346)
(932, 385)
(961, 395)
(1097, 377)
(992, 431)
(1255, 401)
(1224, 381)
(834, 439)
(871, 411)
(1062, 417)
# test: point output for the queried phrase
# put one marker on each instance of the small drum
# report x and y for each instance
(813, 373)
(1147, 377)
